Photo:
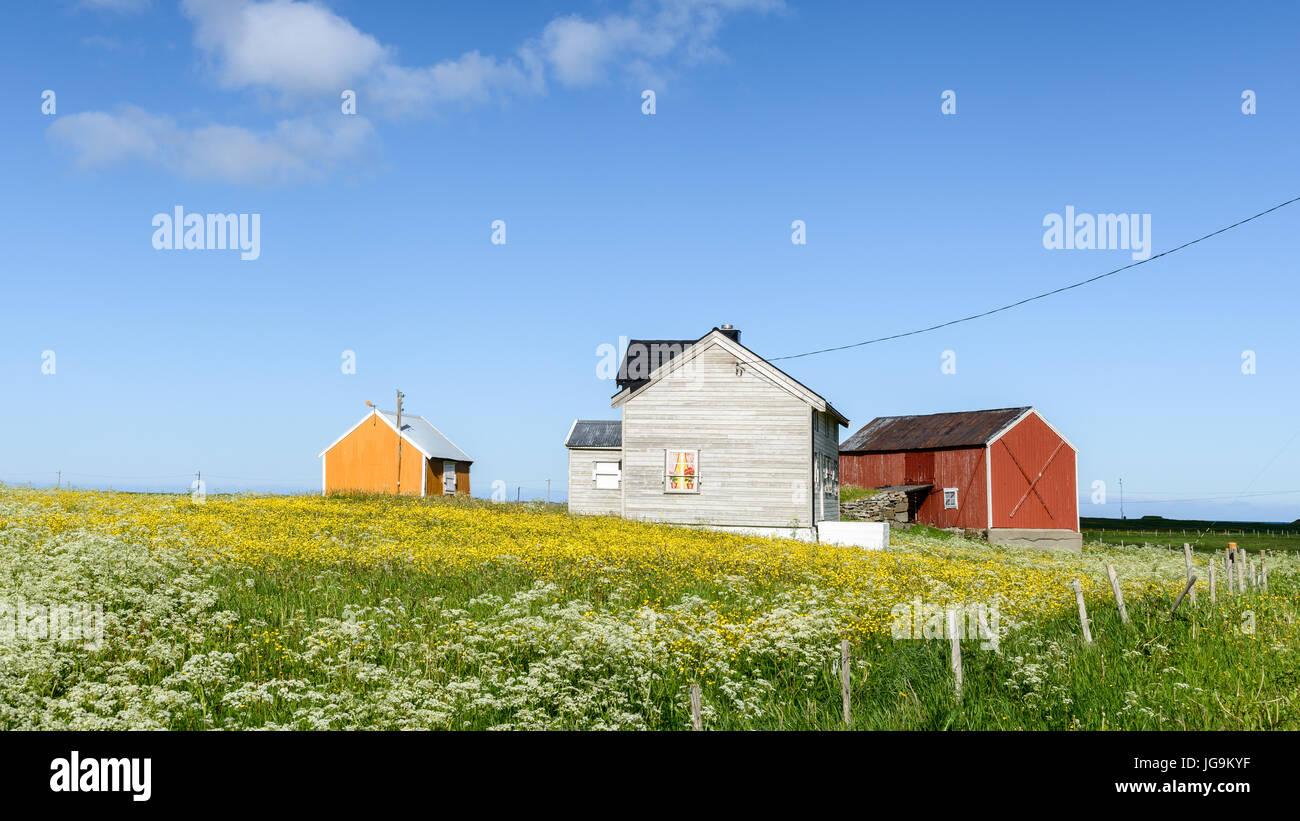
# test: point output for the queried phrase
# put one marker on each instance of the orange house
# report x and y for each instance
(365, 459)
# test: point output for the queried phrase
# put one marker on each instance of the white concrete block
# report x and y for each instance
(867, 535)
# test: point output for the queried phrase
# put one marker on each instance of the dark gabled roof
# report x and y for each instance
(935, 431)
(644, 355)
(595, 433)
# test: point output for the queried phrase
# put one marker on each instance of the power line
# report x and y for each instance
(1043, 295)
(1271, 460)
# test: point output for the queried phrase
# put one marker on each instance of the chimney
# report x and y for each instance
(732, 333)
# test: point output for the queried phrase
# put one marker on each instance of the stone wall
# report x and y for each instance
(885, 506)
(897, 507)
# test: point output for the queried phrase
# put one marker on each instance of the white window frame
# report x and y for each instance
(668, 476)
(954, 504)
(597, 474)
(448, 471)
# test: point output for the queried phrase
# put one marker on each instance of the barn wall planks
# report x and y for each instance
(753, 437)
(1031, 443)
(963, 469)
(871, 469)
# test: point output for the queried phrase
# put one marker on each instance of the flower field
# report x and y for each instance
(380, 613)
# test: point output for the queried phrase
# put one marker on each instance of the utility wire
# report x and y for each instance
(1261, 470)
(1227, 497)
(1043, 295)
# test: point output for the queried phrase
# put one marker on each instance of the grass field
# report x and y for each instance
(851, 493)
(382, 613)
(1202, 535)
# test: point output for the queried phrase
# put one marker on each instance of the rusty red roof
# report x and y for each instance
(934, 431)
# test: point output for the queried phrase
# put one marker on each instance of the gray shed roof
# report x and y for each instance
(418, 431)
(595, 433)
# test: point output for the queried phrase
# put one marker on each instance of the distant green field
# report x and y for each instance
(1202, 535)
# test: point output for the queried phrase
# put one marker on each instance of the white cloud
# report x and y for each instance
(294, 149)
(469, 78)
(290, 46)
(302, 50)
(579, 51)
(298, 47)
(582, 52)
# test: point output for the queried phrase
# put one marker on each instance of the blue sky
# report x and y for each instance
(376, 227)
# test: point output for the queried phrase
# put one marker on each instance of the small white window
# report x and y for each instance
(681, 471)
(606, 474)
(950, 498)
(449, 478)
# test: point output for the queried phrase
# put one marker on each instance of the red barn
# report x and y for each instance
(1006, 471)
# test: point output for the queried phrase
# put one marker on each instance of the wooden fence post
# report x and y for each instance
(1083, 612)
(1187, 558)
(1241, 576)
(697, 720)
(1190, 583)
(1119, 594)
(955, 637)
(1263, 561)
(844, 681)
(1212, 592)
(1227, 570)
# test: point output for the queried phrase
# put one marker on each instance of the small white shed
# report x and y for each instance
(595, 466)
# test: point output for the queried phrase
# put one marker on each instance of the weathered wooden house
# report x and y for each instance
(1006, 471)
(711, 435)
(366, 459)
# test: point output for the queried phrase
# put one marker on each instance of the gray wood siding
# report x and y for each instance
(584, 498)
(754, 440)
(826, 436)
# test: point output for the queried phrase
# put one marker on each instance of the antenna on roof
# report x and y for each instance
(400, 396)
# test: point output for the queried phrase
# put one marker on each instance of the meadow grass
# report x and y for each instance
(1199, 670)
(1201, 535)
(851, 493)
(378, 613)
(1202, 542)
